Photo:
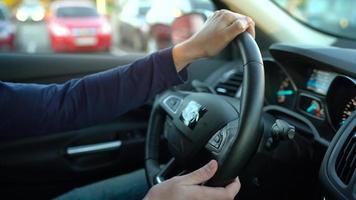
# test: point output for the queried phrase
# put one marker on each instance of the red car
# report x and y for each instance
(76, 26)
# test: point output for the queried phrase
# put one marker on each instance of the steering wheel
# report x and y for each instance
(202, 126)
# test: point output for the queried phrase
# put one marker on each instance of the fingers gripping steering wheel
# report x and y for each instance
(199, 126)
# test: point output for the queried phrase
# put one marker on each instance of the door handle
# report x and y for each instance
(94, 148)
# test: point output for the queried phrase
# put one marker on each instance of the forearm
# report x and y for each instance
(38, 109)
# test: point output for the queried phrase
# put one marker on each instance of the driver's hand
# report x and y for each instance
(187, 187)
(218, 31)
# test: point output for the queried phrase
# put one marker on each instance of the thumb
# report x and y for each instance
(201, 175)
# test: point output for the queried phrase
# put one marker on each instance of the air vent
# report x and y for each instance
(229, 84)
(346, 161)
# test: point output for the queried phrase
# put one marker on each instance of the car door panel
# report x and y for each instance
(47, 164)
(47, 68)
(37, 161)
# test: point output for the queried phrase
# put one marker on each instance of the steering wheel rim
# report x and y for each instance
(244, 140)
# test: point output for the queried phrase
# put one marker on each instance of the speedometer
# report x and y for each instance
(348, 109)
(341, 100)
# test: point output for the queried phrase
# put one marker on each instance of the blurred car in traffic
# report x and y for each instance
(133, 28)
(186, 26)
(145, 25)
(7, 30)
(76, 26)
(161, 16)
(30, 10)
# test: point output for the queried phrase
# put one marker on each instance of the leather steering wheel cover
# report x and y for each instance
(155, 127)
(251, 109)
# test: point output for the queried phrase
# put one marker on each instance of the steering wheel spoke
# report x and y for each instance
(171, 101)
(167, 171)
(221, 142)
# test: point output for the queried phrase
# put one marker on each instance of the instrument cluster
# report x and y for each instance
(321, 95)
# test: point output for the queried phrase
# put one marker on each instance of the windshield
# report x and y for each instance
(336, 17)
(76, 11)
(103, 27)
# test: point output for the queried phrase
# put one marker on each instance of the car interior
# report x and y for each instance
(280, 115)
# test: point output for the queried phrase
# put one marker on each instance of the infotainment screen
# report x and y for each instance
(320, 81)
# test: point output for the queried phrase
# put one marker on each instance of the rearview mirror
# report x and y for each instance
(185, 26)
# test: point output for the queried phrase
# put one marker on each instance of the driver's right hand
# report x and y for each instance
(218, 31)
(188, 187)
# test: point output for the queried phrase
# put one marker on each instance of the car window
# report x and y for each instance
(76, 11)
(336, 17)
(116, 27)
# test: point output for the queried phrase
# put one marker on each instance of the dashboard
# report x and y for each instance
(317, 93)
(312, 89)
(317, 85)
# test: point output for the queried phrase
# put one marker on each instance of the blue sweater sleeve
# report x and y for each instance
(33, 109)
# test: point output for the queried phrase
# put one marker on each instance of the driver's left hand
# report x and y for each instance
(188, 187)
